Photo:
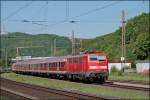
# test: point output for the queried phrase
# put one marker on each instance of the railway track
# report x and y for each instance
(126, 85)
(130, 81)
(139, 87)
(11, 95)
(33, 92)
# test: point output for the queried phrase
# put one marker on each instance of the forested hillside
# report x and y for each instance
(37, 45)
(137, 40)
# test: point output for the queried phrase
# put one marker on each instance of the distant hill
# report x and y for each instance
(40, 45)
(137, 40)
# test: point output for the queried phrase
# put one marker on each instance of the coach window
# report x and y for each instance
(80, 59)
(44, 64)
(60, 64)
(49, 64)
(69, 60)
(40, 65)
(55, 64)
(72, 60)
(76, 60)
(52, 64)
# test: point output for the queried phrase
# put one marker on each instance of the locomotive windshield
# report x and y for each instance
(97, 58)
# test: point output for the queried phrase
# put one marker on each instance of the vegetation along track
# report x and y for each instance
(128, 86)
(37, 92)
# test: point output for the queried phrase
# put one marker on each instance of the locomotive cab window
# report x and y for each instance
(101, 58)
(93, 58)
(97, 58)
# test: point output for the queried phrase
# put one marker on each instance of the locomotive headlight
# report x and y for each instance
(103, 67)
(98, 67)
(93, 67)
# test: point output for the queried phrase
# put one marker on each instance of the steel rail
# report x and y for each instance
(112, 84)
(12, 95)
(75, 95)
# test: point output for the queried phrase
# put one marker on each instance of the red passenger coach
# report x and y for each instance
(87, 67)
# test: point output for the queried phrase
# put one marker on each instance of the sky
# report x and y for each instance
(90, 18)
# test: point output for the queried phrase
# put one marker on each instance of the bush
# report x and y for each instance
(120, 73)
(113, 69)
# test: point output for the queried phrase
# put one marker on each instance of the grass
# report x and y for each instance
(130, 76)
(3, 98)
(72, 86)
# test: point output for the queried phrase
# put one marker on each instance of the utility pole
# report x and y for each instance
(55, 47)
(81, 44)
(5, 32)
(73, 43)
(123, 47)
(17, 53)
(6, 58)
(51, 49)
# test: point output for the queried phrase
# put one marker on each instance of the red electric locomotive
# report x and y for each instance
(87, 67)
